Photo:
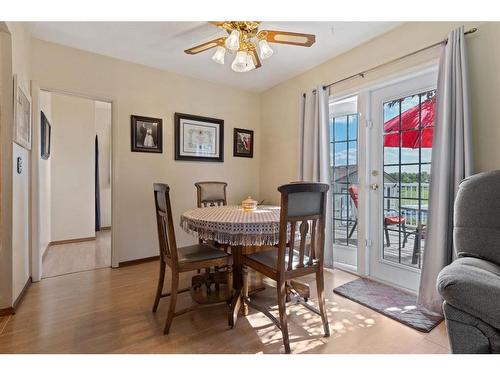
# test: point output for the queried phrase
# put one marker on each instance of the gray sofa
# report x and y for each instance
(470, 286)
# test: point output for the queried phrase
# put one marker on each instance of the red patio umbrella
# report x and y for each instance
(410, 136)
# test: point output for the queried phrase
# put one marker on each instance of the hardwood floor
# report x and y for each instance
(79, 256)
(109, 311)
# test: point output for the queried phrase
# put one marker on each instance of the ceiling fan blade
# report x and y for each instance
(255, 57)
(205, 46)
(285, 37)
(216, 23)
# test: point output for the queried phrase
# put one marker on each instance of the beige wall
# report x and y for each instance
(21, 65)
(6, 107)
(279, 105)
(72, 168)
(140, 90)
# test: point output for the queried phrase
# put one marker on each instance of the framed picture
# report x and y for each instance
(22, 116)
(45, 137)
(243, 143)
(147, 134)
(199, 138)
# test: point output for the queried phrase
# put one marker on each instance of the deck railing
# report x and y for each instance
(409, 205)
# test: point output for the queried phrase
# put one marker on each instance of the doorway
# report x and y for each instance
(74, 174)
(399, 169)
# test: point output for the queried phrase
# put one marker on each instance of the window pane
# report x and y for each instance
(340, 128)
(353, 153)
(391, 111)
(340, 154)
(353, 127)
(391, 154)
(410, 154)
(391, 181)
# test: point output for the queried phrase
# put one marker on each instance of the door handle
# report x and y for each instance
(374, 186)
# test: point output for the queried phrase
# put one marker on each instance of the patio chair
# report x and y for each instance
(391, 217)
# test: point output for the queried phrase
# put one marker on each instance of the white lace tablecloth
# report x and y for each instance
(233, 226)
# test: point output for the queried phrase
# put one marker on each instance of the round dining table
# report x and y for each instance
(244, 231)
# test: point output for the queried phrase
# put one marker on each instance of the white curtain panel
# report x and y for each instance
(314, 150)
(451, 163)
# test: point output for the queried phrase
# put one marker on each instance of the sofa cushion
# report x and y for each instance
(472, 285)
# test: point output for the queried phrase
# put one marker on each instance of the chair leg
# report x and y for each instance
(353, 228)
(173, 301)
(405, 236)
(159, 288)
(217, 286)
(229, 280)
(320, 285)
(416, 248)
(282, 311)
(387, 239)
(244, 305)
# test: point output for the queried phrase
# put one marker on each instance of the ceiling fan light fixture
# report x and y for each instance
(265, 49)
(233, 41)
(250, 63)
(240, 62)
(219, 54)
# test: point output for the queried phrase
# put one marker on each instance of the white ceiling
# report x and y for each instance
(162, 44)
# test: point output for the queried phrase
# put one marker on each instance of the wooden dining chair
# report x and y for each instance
(303, 212)
(211, 193)
(183, 259)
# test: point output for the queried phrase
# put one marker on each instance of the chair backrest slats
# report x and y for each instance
(303, 209)
(211, 193)
(304, 229)
(166, 232)
(312, 247)
(291, 245)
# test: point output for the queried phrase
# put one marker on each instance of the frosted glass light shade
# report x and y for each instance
(233, 41)
(219, 54)
(250, 63)
(240, 62)
(265, 50)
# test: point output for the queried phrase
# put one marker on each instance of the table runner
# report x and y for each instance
(233, 226)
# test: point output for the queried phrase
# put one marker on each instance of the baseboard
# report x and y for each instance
(106, 228)
(7, 311)
(138, 261)
(21, 295)
(44, 255)
(74, 240)
(17, 302)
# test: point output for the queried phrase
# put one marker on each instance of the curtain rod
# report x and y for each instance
(362, 74)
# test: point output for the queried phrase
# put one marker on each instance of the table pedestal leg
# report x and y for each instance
(235, 304)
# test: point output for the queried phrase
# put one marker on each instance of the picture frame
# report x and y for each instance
(198, 138)
(146, 134)
(243, 141)
(45, 136)
(22, 116)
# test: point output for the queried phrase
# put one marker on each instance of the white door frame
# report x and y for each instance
(36, 259)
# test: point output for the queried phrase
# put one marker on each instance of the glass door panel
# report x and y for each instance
(401, 143)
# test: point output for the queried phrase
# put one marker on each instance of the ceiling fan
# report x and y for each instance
(244, 39)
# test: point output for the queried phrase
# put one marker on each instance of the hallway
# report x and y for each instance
(76, 257)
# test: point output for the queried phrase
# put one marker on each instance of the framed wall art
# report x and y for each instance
(45, 137)
(22, 116)
(147, 134)
(243, 143)
(198, 138)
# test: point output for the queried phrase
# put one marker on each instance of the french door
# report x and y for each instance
(399, 162)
